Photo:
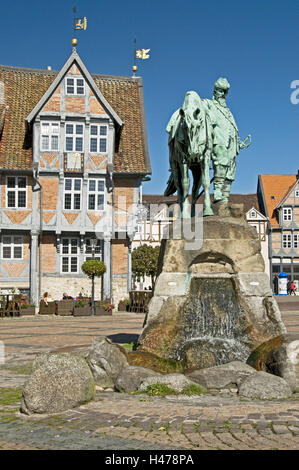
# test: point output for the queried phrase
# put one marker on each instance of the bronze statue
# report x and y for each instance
(200, 132)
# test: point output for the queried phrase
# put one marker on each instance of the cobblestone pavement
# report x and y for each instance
(125, 422)
(25, 337)
(119, 421)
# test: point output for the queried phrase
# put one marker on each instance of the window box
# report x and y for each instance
(49, 309)
(65, 307)
(27, 310)
(82, 311)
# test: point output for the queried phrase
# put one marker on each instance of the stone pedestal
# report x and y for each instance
(212, 302)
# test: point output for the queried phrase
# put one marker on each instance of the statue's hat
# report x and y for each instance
(221, 84)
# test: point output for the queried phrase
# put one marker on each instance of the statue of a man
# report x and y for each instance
(202, 131)
(226, 141)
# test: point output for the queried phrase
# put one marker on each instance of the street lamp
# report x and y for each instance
(93, 244)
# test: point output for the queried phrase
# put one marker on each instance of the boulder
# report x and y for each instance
(106, 360)
(100, 376)
(223, 376)
(279, 356)
(130, 378)
(58, 382)
(264, 386)
(175, 381)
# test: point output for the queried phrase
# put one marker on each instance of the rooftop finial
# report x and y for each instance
(79, 23)
(139, 54)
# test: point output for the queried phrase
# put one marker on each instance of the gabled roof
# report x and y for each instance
(275, 188)
(258, 213)
(288, 191)
(25, 88)
(74, 58)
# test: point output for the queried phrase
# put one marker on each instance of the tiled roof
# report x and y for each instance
(23, 88)
(275, 188)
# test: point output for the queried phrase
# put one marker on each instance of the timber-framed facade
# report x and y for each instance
(73, 154)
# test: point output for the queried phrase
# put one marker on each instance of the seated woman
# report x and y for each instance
(47, 298)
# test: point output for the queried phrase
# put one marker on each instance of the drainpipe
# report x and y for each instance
(110, 171)
(35, 177)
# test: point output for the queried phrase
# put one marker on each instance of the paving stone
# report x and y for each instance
(281, 429)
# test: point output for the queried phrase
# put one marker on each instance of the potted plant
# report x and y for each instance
(108, 309)
(93, 268)
(27, 309)
(122, 305)
(82, 308)
(103, 307)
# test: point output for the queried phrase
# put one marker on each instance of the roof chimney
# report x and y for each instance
(297, 176)
(49, 67)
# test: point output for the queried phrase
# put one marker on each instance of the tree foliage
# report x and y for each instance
(93, 267)
(145, 261)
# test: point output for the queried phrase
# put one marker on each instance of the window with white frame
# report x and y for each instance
(69, 255)
(72, 193)
(88, 250)
(98, 138)
(296, 240)
(253, 214)
(16, 192)
(287, 240)
(12, 247)
(74, 137)
(297, 193)
(75, 86)
(96, 194)
(287, 214)
(49, 136)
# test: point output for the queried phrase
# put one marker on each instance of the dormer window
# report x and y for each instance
(287, 214)
(75, 86)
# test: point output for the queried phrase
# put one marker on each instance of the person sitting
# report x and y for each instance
(66, 297)
(47, 298)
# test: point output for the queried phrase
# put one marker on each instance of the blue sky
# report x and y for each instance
(252, 43)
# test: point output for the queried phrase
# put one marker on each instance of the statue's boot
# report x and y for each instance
(218, 186)
(226, 190)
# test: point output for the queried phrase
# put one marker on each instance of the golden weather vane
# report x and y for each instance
(79, 23)
(139, 54)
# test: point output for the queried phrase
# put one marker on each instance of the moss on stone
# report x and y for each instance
(155, 363)
(194, 389)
